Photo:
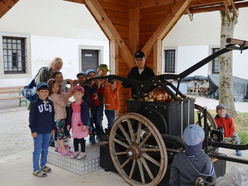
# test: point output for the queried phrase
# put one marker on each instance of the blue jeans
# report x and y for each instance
(41, 144)
(110, 114)
(99, 118)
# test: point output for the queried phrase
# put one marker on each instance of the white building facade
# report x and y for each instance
(39, 30)
(191, 42)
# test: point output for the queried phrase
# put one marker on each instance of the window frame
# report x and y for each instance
(89, 47)
(163, 60)
(27, 73)
(213, 70)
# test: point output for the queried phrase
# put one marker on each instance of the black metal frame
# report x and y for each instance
(162, 81)
(140, 88)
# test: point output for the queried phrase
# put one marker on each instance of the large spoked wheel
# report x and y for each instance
(137, 150)
(199, 111)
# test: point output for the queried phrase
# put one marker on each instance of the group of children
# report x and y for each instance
(83, 116)
(48, 116)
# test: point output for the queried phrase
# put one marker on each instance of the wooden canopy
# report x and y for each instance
(131, 25)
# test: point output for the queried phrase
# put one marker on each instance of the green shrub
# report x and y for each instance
(243, 136)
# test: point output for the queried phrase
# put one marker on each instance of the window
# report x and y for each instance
(14, 55)
(215, 63)
(169, 61)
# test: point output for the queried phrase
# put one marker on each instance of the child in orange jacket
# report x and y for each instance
(111, 101)
(223, 120)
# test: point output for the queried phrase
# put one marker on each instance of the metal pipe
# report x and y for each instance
(181, 118)
(188, 111)
(199, 118)
(222, 157)
(227, 145)
(206, 129)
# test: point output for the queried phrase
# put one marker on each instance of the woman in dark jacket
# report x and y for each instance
(45, 73)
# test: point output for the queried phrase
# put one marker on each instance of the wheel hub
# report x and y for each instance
(134, 151)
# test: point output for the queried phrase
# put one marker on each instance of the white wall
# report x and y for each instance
(56, 18)
(189, 55)
(55, 28)
(195, 39)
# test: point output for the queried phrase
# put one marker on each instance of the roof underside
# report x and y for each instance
(196, 6)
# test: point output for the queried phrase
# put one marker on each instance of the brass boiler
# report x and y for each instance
(159, 94)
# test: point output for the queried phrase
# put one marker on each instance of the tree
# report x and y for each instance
(228, 21)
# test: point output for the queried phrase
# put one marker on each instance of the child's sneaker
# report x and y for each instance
(40, 173)
(92, 139)
(74, 155)
(82, 155)
(238, 153)
(67, 146)
(65, 152)
(46, 169)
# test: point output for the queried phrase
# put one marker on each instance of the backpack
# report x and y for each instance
(29, 91)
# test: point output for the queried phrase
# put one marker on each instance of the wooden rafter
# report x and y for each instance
(105, 23)
(77, 1)
(6, 5)
(168, 22)
(199, 8)
(154, 3)
(189, 14)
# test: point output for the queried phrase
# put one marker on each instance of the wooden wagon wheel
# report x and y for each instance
(137, 150)
(211, 123)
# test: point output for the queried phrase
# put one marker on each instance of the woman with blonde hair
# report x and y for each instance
(45, 73)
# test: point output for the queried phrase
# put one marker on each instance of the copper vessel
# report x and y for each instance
(159, 94)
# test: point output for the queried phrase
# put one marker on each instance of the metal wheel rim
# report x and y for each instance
(143, 157)
(209, 117)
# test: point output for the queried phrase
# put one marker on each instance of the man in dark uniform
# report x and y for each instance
(140, 72)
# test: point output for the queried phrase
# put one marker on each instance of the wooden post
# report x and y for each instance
(157, 57)
(113, 50)
(134, 22)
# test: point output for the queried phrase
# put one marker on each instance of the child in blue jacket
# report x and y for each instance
(42, 125)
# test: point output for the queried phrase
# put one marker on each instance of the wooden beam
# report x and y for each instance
(108, 28)
(157, 57)
(114, 56)
(168, 22)
(154, 3)
(189, 14)
(6, 5)
(134, 25)
(216, 8)
(77, 1)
